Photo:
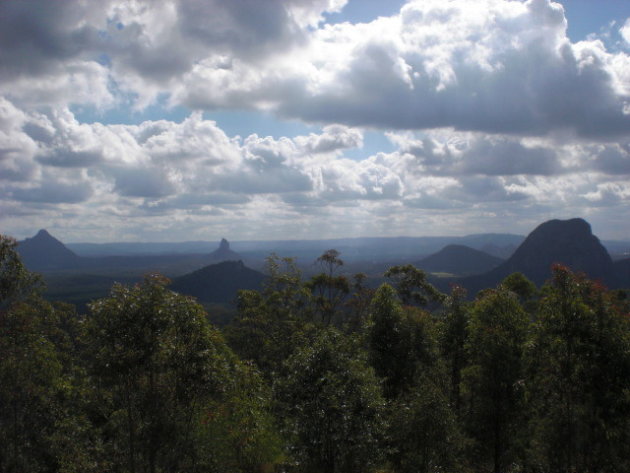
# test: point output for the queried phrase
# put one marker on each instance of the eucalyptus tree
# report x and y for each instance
(579, 378)
(163, 372)
(333, 407)
(493, 379)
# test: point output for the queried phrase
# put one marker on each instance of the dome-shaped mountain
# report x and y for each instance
(218, 282)
(459, 259)
(568, 242)
(224, 253)
(45, 252)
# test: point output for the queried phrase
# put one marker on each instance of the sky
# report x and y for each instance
(175, 120)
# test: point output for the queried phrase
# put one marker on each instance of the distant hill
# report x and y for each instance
(370, 249)
(44, 252)
(218, 282)
(502, 252)
(569, 242)
(459, 260)
(224, 253)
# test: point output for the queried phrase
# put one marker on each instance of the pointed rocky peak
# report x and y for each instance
(43, 233)
(43, 239)
(44, 251)
(224, 245)
(224, 253)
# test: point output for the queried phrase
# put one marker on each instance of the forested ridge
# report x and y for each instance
(317, 375)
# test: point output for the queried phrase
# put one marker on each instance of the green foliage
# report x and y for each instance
(399, 341)
(271, 324)
(412, 285)
(145, 384)
(358, 304)
(452, 339)
(390, 345)
(163, 367)
(30, 378)
(520, 285)
(423, 433)
(16, 282)
(328, 288)
(493, 379)
(333, 407)
(579, 379)
(41, 420)
(236, 432)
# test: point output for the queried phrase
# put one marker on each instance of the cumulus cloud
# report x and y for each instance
(163, 168)
(53, 193)
(333, 138)
(496, 66)
(488, 105)
(613, 159)
(474, 153)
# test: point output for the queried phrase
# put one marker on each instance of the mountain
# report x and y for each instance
(223, 253)
(502, 252)
(218, 282)
(622, 271)
(460, 260)
(44, 252)
(569, 242)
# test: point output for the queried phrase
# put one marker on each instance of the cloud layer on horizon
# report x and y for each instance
(491, 111)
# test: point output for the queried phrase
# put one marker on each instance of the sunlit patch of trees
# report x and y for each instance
(319, 375)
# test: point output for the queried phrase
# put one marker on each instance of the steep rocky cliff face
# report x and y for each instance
(568, 242)
(224, 253)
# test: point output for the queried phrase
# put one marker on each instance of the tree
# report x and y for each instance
(579, 378)
(358, 305)
(390, 342)
(412, 285)
(16, 282)
(39, 382)
(452, 338)
(520, 285)
(525, 290)
(333, 406)
(271, 324)
(160, 366)
(30, 378)
(236, 431)
(493, 379)
(329, 289)
(423, 433)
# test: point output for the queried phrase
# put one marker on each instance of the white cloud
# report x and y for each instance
(625, 31)
(491, 109)
(333, 138)
(497, 66)
(165, 170)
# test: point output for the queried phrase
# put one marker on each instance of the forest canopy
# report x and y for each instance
(316, 375)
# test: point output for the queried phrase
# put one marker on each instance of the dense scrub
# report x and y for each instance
(323, 375)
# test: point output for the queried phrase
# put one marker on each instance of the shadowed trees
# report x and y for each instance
(324, 376)
(167, 372)
(579, 378)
